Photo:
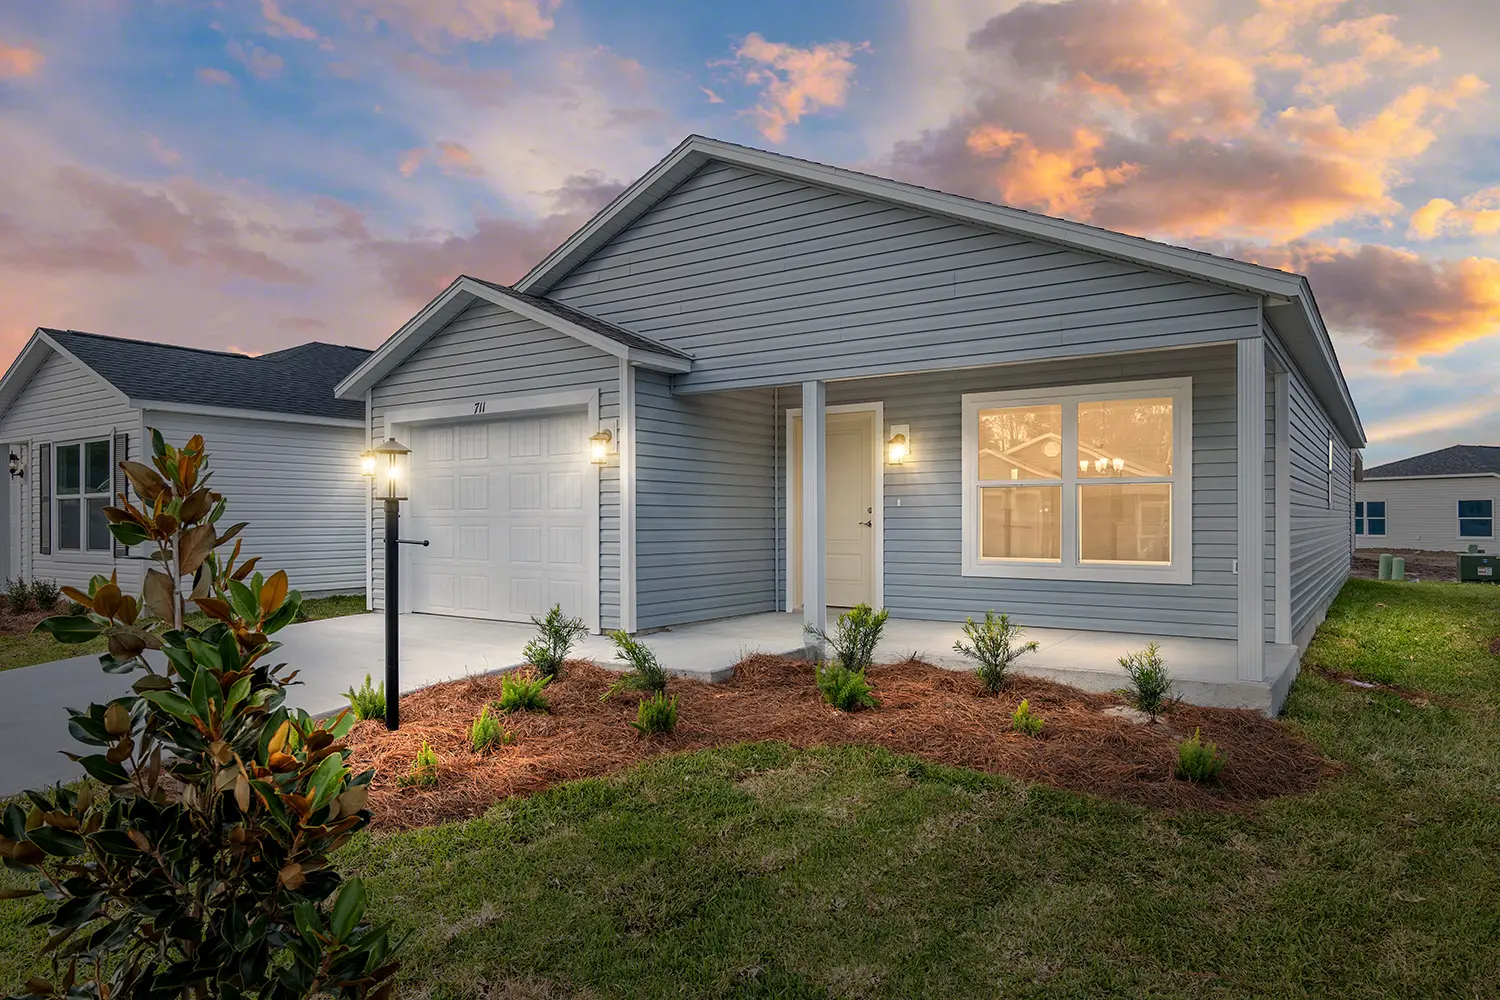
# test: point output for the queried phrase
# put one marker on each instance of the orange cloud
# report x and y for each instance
(1478, 215)
(214, 77)
(454, 157)
(18, 61)
(1449, 418)
(794, 82)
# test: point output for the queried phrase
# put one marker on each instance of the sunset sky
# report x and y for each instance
(251, 174)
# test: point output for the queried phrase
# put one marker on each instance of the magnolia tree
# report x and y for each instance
(195, 862)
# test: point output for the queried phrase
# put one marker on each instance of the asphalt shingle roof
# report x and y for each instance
(583, 319)
(298, 380)
(1458, 460)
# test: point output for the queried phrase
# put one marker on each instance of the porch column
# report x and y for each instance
(1282, 519)
(814, 506)
(1250, 395)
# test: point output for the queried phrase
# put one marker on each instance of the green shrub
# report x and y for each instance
(1024, 720)
(522, 694)
(368, 702)
(992, 645)
(424, 770)
(1198, 761)
(558, 635)
(1150, 683)
(196, 861)
(646, 672)
(17, 596)
(844, 689)
(486, 733)
(656, 714)
(854, 638)
(45, 594)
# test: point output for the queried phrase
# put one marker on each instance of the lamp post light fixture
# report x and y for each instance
(389, 460)
(16, 466)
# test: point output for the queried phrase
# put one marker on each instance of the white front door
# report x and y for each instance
(504, 506)
(850, 516)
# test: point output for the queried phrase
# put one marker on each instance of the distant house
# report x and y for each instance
(282, 448)
(1444, 501)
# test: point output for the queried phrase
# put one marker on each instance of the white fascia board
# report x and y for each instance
(1447, 475)
(395, 350)
(239, 413)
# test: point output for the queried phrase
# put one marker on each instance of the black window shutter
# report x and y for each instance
(44, 485)
(122, 452)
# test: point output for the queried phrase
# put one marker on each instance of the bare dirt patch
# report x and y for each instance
(936, 714)
(1421, 564)
(26, 621)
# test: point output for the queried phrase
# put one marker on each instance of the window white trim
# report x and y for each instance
(1458, 520)
(1363, 518)
(1070, 566)
(83, 496)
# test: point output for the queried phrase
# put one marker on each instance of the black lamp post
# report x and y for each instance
(388, 460)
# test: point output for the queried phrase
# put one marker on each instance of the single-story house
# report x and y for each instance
(282, 448)
(822, 387)
(1443, 501)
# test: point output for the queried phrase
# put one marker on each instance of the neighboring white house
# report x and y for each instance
(1087, 430)
(1443, 501)
(282, 449)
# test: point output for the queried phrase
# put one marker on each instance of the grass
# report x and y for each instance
(761, 871)
(33, 647)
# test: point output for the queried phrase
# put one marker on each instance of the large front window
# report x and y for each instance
(81, 486)
(1088, 482)
(1476, 519)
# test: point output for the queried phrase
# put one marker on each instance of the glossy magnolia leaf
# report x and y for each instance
(327, 781)
(172, 703)
(100, 768)
(284, 615)
(272, 593)
(147, 481)
(196, 544)
(347, 909)
(158, 593)
(70, 628)
(152, 682)
(58, 843)
(129, 533)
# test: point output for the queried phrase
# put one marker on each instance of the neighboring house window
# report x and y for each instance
(1330, 472)
(1087, 482)
(82, 474)
(1369, 518)
(1476, 518)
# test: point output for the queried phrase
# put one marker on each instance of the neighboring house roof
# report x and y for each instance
(1458, 460)
(465, 291)
(1288, 300)
(298, 381)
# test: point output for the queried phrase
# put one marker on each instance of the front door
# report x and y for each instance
(850, 517)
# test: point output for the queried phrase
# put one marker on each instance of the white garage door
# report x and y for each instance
(503, 504)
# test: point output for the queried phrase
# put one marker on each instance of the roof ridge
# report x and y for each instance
(149, 343)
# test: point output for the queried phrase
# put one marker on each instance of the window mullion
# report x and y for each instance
(1070, 483)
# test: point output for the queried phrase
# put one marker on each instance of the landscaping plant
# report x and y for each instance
(485, 734)
(1198, 761)
(45, 594)
(17, 595)
(195, 865)
(854, 638)
(1023, 720)
(1150, 684)
(992, 645)
(844, 689)
(656, 714)
(523, 694)
(368, 702)
(424, 770)
(558, 634)
(646, 672)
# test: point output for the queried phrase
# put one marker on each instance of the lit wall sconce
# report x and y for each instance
(1083, 465)
(601, 443)
(898, 446)
(1118, 463)
(16, 465)
(1101, 463)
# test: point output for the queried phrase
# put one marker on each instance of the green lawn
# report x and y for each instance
(39, 647)
(759, 871)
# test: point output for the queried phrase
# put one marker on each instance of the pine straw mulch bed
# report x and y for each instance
(13, 623)
(939, 715)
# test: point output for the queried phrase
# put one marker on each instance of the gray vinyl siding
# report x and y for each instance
(923, 503)
(487, 352)
(63, 403)
(768, 281)
(1321, 527)
(297, 485)
(1268, 591)
(1423, 513)
(705, 504)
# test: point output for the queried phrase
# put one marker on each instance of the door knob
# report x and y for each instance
(868, 524)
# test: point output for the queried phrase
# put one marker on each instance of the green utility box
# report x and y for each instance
(1478, 569)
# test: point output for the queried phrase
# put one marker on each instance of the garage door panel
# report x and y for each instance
(565, 490)
(526, 438)
(565, 546)
(525, 544)
(525, 491)
(473, 443)
(474, 492)
(474, 593)
(474, 542)
(440, 541)
(566, 593)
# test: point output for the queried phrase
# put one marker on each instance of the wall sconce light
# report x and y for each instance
(898, 446)
(16, 466)
(1101, 463)
(600, 445)
(1118, 463)
(1083, 465)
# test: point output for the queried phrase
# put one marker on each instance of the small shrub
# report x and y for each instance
(646, 672)
(1198, 761)
(487, 733)
(45, 593)
(845, 689)
(1023, 720)
(656, 714)
(368, 702)
(992, 644)
(1150, 683)
(522, 694)
(424, 770)
(854, 637)
(558, 635)
(17, 595)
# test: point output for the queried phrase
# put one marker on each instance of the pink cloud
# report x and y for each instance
(262, 64)
(282, 25)
(214, 77)
(432, 22)
(794, 82)
(19, 60)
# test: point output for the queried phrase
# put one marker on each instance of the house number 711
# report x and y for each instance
(479, 406)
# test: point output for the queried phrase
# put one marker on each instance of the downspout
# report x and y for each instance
(776, 494)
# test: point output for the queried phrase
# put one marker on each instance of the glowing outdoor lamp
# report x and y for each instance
(599, 445)
(389, 460)
(898, 447)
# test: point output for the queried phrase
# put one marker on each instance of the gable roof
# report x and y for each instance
(1458, 460)
(297, 381)
(1288, 300)
(465, 291)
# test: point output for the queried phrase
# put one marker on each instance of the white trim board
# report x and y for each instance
(625, 447)
(237, 413)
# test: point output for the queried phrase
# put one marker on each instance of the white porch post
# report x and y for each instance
(814, 493)
(626, 448)
(1250, 394)
(1283, 513)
